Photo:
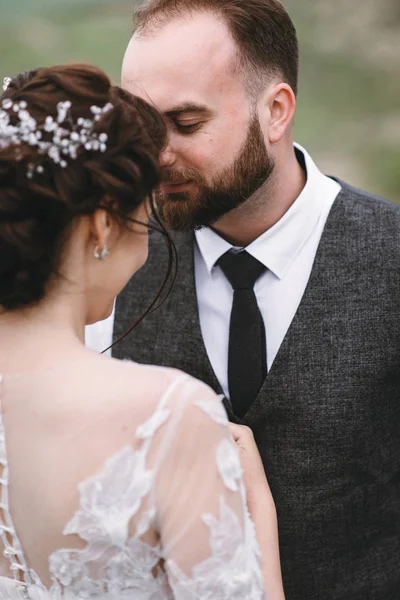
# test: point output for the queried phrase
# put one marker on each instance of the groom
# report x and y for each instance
(301, 331)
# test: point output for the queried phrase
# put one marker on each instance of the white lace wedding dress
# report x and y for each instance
(113, 494)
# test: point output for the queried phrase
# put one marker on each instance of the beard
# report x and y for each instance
(183, 211)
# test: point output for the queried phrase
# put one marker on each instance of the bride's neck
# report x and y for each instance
(51, 331)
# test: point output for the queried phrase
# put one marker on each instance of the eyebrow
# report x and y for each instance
(187, 107)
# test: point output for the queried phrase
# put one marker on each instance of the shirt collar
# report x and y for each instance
(278, 246)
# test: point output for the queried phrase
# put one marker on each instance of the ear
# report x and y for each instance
(101, 228)
(276, 109)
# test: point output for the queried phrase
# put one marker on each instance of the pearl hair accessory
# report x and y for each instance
(51, 138)
(6, 83)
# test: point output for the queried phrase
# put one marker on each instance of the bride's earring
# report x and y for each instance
(101, 254)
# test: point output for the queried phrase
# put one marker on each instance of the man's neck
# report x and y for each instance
(265, 208)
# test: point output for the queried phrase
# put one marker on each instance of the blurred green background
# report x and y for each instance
(349, 103)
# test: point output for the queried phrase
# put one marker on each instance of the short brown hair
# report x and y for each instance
(262, 30)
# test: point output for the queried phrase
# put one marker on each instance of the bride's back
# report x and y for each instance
(61, 425)
(120, 481)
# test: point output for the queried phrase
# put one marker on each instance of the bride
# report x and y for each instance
(117, 480)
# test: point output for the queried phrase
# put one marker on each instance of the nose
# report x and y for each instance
(167, 157)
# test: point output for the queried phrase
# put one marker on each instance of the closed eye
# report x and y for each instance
(185, 129)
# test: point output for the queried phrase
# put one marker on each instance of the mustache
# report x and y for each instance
(172, 176)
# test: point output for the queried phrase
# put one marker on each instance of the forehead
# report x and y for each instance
(186, 60)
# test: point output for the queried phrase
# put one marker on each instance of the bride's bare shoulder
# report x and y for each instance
(142, 386)
(128, 371)
(123, 392)
(127, 381)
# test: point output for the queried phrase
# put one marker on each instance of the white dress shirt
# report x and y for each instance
(287, 250)
(99, 336)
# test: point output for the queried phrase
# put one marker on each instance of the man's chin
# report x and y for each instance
(175, 216)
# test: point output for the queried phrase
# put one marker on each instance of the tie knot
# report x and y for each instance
(241, 269)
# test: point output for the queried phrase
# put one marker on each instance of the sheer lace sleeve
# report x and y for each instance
(147, 502)
(208, 539)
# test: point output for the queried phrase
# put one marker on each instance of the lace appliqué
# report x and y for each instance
(214, 409)
(149, 429)
(108, 503)
(233, 571)
(228, 463)
(114, 565)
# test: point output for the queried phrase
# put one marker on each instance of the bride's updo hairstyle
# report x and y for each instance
(109, 161)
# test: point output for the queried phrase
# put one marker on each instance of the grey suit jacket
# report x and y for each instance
(327, 419)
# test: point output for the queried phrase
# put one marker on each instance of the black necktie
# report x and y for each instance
(247, 360)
